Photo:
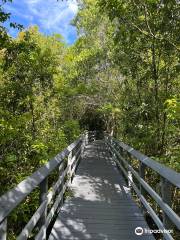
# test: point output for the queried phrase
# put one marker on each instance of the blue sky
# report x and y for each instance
(51, 16)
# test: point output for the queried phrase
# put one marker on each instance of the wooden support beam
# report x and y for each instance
(42, 197)
(166, 191)
(3, 230)
(142, 173)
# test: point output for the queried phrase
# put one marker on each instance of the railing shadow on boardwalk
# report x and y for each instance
(10, 200)
(100, 180)
(101, 185)
(73, 222)
(79, 228)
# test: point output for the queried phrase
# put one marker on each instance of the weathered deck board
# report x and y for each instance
(101, 207)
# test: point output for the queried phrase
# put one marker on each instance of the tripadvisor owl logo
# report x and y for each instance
(139, 231)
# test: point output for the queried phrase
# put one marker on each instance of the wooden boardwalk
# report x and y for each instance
(101, 207)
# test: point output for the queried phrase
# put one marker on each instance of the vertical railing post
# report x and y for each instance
(69, 166)
(113, 145)
(130, 177)
(142, 174)
(166, 196)
(87, 137)
(43, 197)
(3, 230)
(78, 157)
(61, 174)
(84, 141)
(73, 161)
(118, 148)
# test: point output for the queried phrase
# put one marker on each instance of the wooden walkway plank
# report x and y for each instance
(101, 207)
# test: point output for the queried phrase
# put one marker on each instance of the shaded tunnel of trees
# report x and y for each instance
(92, 121)
(122, 76)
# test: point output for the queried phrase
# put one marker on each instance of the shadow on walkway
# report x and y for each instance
(101, 207)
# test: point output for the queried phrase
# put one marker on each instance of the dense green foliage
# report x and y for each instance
(121, 76)
(129, 56)
(32, 123)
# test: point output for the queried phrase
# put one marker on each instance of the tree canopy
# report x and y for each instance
(122, 76)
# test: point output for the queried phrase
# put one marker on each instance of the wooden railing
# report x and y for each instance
(124, 155)
(66, 163)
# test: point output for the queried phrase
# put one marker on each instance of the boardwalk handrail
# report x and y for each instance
(172, 176)
(168, 178)
(13, 198)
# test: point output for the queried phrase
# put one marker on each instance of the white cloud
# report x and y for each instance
(50, 15)
(52, 12)
(73, 6)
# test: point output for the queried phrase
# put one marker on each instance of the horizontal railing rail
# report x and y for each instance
(172, 176)
(168, 177)
(42, 217)
(66, 162)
